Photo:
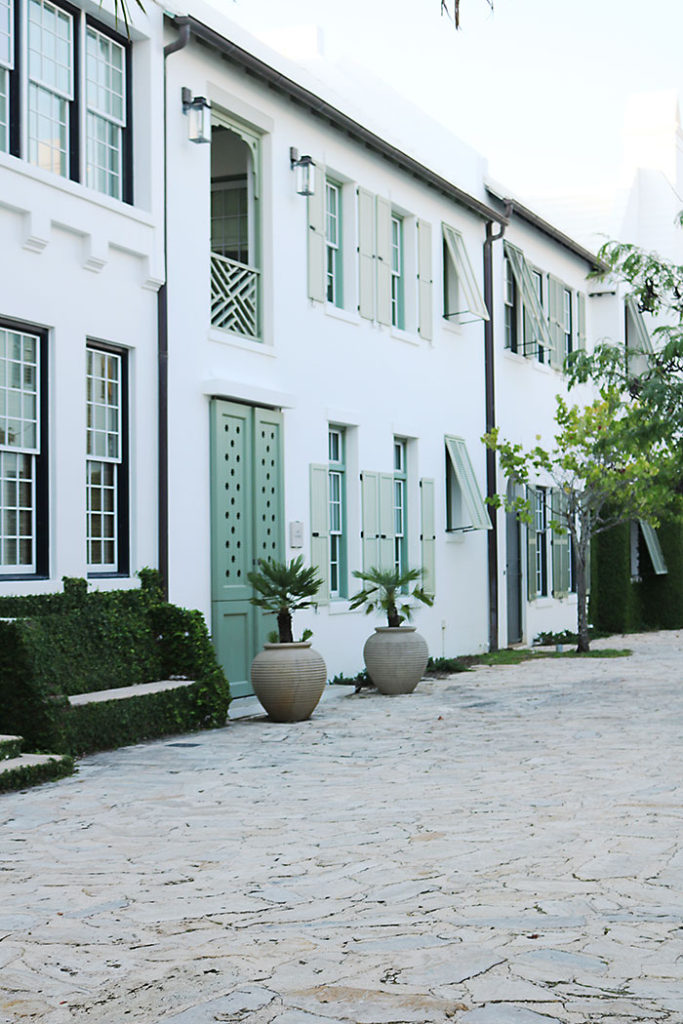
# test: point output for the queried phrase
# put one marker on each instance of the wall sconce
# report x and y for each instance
(305, 172)
(198, 110)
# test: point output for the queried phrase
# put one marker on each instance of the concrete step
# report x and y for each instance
(10, 746)
(32, 769)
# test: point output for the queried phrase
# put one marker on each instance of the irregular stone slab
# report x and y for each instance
(507, 1013)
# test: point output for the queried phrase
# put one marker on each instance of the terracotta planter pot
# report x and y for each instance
(289, 680)
(396, 658)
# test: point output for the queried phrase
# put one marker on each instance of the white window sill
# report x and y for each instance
(241, 341)
(542, 602)
(339, 313)
(409, 337)
(451, 327)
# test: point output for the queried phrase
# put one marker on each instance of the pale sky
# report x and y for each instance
(537, 86)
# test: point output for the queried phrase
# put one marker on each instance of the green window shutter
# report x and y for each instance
(531, 545)
(383, 214)
(638, 343)
(386, 521)
(560, 545)
(581, 319)
(370, 509)
(424, 274)
(473, 502)
(316, 239)
(472, 301)
(320, 528)
(653, 547)
(428, 536)
(525, 286)
(366, 254)
(556, 320)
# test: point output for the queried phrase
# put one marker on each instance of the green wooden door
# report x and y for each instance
(246, 524)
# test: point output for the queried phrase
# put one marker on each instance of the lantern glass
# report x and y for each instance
(199, 121)
(305, 177)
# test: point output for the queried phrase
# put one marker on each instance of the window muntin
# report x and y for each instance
(397, 275)
(105, 63)
(333, 249)
(19, 448)
(400, 533)
(51, 85)
(104, 449)
(6, 65)
(567, 321)
(337, 512)
(541, 530)
(511, 308)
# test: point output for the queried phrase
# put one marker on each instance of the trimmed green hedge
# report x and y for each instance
(25, 775)
(78, 642)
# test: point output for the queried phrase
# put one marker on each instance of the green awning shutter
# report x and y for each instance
(316, 239)
(560, 544)
(532, 307)
(428, 535)
(386, 521)
(581, 320)
(556, 320)
(320, 528)
(369, 485)
(654, 548)
(366, 254)
(464, 473)
(472, 301)
(424, 275)
(531, 545)
(383, 245)
(638, 342)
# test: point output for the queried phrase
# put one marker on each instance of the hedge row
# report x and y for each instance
(64, 644)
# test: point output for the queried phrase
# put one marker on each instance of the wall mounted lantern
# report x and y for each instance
(198, 110)
(305, 172)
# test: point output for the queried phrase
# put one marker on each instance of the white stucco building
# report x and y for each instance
(205, 367)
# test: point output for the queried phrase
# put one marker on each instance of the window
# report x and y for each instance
(337, 511)
(333, 250)
(77, 110)
(511, 308)
(567, 321)
(397, 273)
(465, 508)
(22, 452)
(462, 299)
(400, 536)
(106, 481)
(541, 531)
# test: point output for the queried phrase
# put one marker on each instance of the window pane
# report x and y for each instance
(101, 516)
(6, 34)
(103, 432)
(104, 156)
(48, 131)
(4, 110)
(105, 77)
(50, 47)
(19, 413)
(17, 518)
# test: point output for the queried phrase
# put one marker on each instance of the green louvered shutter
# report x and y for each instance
(316, 239)
(370, 509)
(653, 548)
(428, 535)
(320, 528)
(386, 521)
(383, 246)
(556, 321)
(531, 545)
(560, 545)
(366, 254)
(581, 320)
(424, 273)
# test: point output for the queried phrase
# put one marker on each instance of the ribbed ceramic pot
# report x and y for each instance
(289, 680)
(396, 658)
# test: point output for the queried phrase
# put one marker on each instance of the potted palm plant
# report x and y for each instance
(288, 676)
(395, 655)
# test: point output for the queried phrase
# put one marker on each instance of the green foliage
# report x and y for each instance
(360, 679)
(33, 774)
(77, 642)
(283, 588)
(382, 591)
(445, 666)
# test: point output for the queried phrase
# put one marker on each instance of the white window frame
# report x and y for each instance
(105, 462)
(99, 115)
(337, 511)
(333, 243)
(398, 316)
(400, 509)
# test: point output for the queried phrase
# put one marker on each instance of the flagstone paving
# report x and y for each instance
(500, 847)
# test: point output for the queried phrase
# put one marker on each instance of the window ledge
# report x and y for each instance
(451, 327)
(241, 341)
(543, 602)
(339, 313)
(409, 337)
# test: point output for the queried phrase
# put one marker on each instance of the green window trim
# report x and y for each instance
(468, 289)
(337, 524)
(459, 460)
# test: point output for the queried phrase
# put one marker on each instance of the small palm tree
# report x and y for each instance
(283, 588)
(382, 589)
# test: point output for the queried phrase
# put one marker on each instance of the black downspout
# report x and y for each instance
(162, 351)
(489, 380)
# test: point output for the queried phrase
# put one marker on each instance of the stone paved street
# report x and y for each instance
(500, 847)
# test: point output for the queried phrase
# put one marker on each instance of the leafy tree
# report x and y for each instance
(609, 465)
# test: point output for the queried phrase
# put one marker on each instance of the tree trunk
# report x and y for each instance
(284, 626)
(582, 594)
